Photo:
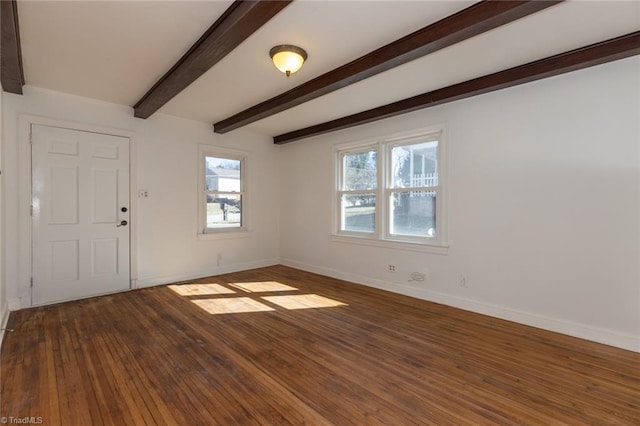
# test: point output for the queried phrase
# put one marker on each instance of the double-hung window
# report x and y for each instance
(358, 190)
(222, 191)
(392, 190)
(412, 189)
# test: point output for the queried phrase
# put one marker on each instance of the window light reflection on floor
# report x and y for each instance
(200, 289)
(256, 303)
(235, 305)
(303, 301)
(262, 286)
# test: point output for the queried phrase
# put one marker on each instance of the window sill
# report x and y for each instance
(225, 235)
(432, 248)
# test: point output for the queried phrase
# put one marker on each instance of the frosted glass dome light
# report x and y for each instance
(287, 58)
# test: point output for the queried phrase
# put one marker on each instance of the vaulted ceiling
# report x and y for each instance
(117, 51)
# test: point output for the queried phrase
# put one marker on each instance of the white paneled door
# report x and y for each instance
(80, 189)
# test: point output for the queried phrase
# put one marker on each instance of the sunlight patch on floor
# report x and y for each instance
(303, 301)
(200, 289)
(235, 305)
(262, 286)
(253, 302)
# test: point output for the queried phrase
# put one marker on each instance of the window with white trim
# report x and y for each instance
(357, 191)
(222, 191)
(392, 190)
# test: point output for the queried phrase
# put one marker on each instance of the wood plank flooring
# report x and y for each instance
(282, 346)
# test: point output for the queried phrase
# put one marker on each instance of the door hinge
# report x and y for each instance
(31, 282)
(31, 209)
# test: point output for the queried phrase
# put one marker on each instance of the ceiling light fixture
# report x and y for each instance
(288, 58)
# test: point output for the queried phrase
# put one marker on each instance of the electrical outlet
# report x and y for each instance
(417, 276)
(392, 268)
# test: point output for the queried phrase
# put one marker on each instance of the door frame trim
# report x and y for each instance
(25, 233)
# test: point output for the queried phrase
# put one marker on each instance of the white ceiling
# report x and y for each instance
(116, 50)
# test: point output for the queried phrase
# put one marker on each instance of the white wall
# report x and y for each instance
(544, 202)
(543, 206)
(4, 308)
(166, 159)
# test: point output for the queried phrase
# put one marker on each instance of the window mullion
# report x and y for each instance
(383, 180)
(358, 192)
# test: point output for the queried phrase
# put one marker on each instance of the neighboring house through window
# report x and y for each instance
(222, 192)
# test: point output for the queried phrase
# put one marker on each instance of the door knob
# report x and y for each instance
(122, 223)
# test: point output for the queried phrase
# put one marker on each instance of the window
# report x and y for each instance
(357, 192)
(222, 193)
(392, 190)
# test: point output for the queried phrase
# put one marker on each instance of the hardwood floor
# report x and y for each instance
(256, 348)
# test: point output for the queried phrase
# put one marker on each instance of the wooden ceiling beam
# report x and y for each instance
(237, 23)
(595, 54)
(474, 20)
(12, 78)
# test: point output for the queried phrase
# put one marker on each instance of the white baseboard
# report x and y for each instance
(4, 320)
(582, 331)
(216, 270)
(15, 304)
